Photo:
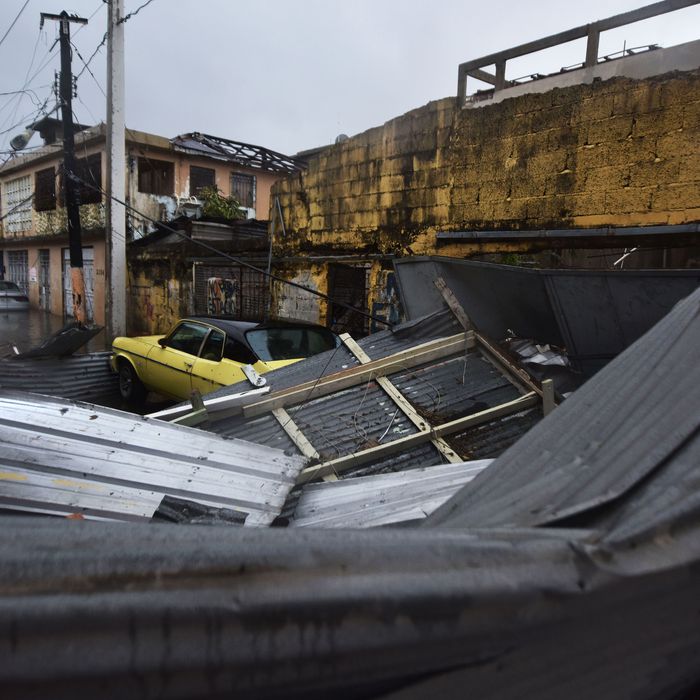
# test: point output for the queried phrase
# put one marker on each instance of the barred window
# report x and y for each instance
(45, 190)
(17, 204)
(201, 177)
(243, 189)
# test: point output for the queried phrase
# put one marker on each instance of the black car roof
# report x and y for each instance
(237, 329)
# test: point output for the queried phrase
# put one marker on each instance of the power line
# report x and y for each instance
(238, 261)
(86, 66)
(14, 21)
(135, 12)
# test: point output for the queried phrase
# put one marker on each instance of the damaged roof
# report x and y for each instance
(389, 402)
(246, 154)
(607, 609)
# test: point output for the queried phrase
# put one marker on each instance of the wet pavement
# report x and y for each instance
(27, 329)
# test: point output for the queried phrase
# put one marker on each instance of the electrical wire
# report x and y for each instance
(126, 18)
(14, 21)
(238, 261)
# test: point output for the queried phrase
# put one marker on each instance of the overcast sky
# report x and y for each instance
(290, 75)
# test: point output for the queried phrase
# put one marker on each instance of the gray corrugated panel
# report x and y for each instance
(383, 499)
(495, 437)
(546, 304)
(454, 387)
(76, 377)
(63, 456)
(627, 424)
(264, 430)
(142, 610)
(420, 456)
(350, 421)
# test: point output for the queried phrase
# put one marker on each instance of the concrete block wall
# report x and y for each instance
(620, 152)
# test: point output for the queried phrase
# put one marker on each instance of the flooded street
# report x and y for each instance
(26, 329)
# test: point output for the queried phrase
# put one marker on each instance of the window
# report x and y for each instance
(290, 343)
(17, 208)
(243, 189)
(213, 346)
(18, 268)
(45, 190)
(90, 170)
(187, 337)
(156, 176)
(201, 177)
(236, 351)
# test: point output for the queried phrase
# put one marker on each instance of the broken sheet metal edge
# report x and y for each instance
(505, 614)
(635, 418)
(81, 376)
(382, 499)
(74, 449)
(214, 406)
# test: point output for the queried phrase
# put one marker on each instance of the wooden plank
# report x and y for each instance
(341, 464)
(453, 303)
(292, 429)
(406, 359)
(401, 401)
(492, 351)
(548, 398)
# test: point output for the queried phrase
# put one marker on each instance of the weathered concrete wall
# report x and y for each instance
(159, 293)
(621, 152)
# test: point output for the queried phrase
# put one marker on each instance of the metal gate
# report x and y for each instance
(347, 284)
(44, 280)
(230, 290)
(18, 268)
(89, 274)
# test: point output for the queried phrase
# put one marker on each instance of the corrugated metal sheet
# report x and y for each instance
(60, 456)
(364, 416)
(82, 377)
(382, 499)
(545, 305)
(636, 418)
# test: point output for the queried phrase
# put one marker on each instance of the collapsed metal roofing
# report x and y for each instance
(80, 376)
(395, 400)
(64, 457)
(245, 154)
(382, 499)
(606, 610)
(546, 305)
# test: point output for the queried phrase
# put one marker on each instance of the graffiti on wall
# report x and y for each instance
(387, 304)
(222, 296)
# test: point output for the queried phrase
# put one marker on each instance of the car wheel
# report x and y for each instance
(130, 386)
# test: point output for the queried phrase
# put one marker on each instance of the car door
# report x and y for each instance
(214, 367)
(169, 368)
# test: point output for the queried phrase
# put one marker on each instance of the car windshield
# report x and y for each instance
(8, 286)
(290, 343)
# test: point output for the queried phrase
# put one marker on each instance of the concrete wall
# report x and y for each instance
(620, 152)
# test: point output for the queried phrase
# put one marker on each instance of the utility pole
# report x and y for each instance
(115, 306)
(69, 185)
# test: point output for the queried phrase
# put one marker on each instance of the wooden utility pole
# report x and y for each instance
(115, 307)
(70, 187)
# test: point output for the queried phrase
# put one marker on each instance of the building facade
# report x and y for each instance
(164, 179)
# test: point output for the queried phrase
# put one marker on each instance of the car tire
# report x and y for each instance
(131, 388)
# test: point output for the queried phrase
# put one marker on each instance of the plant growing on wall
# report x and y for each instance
(218, 205)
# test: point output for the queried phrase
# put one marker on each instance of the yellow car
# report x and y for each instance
(208, 353)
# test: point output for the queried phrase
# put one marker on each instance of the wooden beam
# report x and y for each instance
(453, 303)
(341, 464)
(406, 359)
(402, 402)
(294, 431)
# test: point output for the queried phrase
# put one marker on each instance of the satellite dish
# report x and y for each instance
(21, 140)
